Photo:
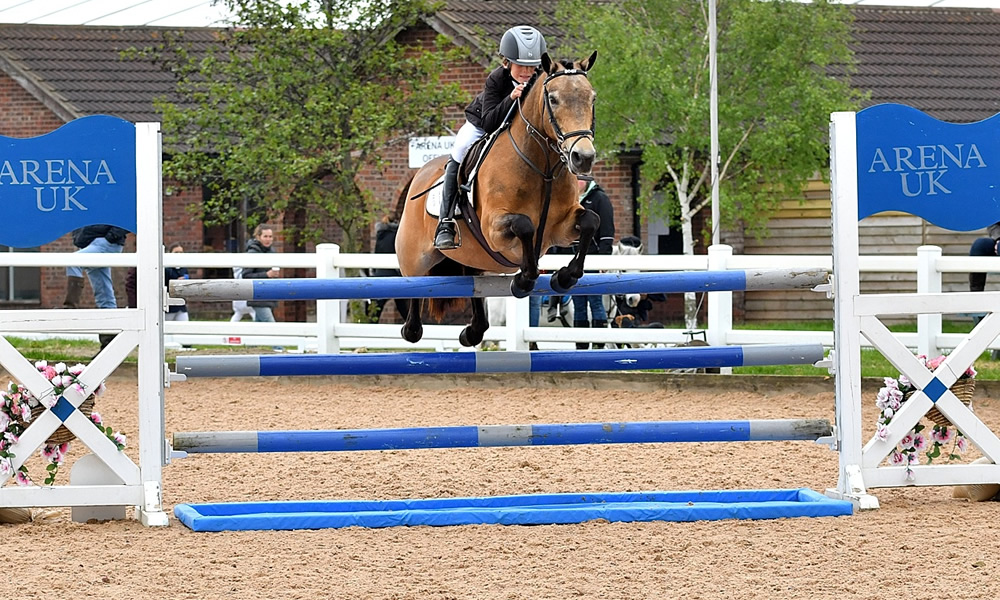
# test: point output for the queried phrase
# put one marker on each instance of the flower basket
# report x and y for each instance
(63, 435)
(963, 390)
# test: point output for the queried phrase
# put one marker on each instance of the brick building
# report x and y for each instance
(50, 75)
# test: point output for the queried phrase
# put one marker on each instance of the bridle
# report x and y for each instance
(552, 170)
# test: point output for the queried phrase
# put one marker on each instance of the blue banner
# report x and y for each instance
(80, 174)
(947, 173)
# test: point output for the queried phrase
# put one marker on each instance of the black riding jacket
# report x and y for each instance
(490, 107)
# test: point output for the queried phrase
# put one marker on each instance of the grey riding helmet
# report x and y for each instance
(523, 45)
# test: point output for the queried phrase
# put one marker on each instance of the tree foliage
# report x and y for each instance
(293, 103)
(776, 90)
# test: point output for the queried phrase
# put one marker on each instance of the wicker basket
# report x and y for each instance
(63, 435)
(963, 390)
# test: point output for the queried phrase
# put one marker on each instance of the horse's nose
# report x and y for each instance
(583, 161)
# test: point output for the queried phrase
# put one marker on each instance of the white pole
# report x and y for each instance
(714, 118)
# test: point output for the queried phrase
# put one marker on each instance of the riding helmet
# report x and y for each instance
(523, 45)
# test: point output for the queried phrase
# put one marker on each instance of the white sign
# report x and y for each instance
(423, 149)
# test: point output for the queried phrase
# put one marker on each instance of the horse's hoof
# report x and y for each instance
(470, 337)
(562, 281)
(521, 289)
(412, 335)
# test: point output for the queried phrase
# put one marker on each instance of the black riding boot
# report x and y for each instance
(447, 230)
(582, 345)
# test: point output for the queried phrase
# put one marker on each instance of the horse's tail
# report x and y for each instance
(437, 308)
(401, 200)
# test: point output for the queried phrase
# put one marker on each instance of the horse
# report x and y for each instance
(612, 302)
(525, 198)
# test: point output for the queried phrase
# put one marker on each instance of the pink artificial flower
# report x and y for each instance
(95, 417)
(962, 444)
(49, 373)
(934, 363)
(4, 421)
(919, 441)
(22, 478)
(970, 372)
(76, 369)
(60, 367)
(120, 438)
(41, 364)
(942, 434)
(882, 432)
(100, 389)
(49, 452)
(6, 468)
(891, 383)
(904, 381)
(907, 442)
(897, 458)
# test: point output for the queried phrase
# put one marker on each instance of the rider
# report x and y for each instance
(521, 48)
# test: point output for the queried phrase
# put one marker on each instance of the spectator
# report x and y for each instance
(90, 240)
(987, 246)
(263, 238)
(593, 197)
(176, 313)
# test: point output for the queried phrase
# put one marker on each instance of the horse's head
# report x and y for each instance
(568, 101)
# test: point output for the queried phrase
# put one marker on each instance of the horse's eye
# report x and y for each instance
(553, 100)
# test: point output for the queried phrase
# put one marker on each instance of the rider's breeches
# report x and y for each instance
(468, 135)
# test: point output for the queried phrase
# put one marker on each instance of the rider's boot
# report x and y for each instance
(447, 230)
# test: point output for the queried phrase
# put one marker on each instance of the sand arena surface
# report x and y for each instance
(921, 544)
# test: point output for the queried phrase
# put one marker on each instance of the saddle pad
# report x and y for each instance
(433, 199)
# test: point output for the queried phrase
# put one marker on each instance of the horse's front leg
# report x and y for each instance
(413, 329)
(473, 332)
(566, 277)
(521, 227)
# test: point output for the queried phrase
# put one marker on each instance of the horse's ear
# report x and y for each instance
(588, 64)
(547, 64)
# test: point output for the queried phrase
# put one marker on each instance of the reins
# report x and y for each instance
(548, 148)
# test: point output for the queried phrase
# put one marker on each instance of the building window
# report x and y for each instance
(20, 284)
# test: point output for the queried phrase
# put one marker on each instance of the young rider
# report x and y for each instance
(521, 48)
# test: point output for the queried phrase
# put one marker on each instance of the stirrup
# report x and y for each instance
(446, 236)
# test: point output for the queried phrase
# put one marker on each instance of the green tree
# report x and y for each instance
(782, 69)
(293, 103)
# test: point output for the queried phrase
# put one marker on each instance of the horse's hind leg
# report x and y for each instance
(473, 332)
(413, 329)
(568, 276)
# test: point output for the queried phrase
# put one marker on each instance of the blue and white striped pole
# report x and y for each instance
(355, 288)
(559, 434)
(564, 361)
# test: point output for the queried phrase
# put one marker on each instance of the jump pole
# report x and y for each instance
(560, 361)
(358, 288)
(483, 436)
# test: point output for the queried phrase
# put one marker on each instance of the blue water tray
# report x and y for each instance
(533, 509)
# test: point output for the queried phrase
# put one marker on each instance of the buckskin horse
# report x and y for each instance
(525, 198)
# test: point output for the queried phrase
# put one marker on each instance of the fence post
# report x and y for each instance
(928, 282)
(327, 311)
(720, 304)
(517, 322)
